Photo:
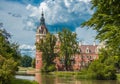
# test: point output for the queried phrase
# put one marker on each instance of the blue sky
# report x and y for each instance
(21, 17)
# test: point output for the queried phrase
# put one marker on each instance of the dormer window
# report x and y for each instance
(87, 50)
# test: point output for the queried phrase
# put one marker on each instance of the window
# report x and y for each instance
(90, 57)
(37, 61)
(87, 50)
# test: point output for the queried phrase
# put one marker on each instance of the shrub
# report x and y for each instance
(7, 70)
(49, 68)
(101, 71)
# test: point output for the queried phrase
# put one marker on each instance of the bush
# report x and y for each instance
(102, 71)
(7, 70)
(49, 68)
(110, 73)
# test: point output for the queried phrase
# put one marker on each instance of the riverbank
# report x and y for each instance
(118, 76)
(25, 71)
(75, 74)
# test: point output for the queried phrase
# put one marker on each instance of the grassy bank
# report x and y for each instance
(21, 81)
(118, 76)
(25, 71)
(25, 68)
(75, 74)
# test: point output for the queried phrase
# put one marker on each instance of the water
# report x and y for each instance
(50, 79)
(25, 77)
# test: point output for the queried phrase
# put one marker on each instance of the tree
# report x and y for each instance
(33, 63)
(105, 21)
(8, 49)
(104, 67)
(9, 56)
(48, 55)
(26, 61)
(101, 71)
(7, 69)
(68, 47)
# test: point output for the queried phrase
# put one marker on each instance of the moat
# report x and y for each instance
(51, 79)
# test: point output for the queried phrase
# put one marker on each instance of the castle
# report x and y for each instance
(88, 53)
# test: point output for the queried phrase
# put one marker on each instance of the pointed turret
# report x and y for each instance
(42, 19)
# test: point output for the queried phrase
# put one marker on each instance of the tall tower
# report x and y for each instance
(40, 34)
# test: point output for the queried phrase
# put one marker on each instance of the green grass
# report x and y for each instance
(118, 76)
(21, 81)
(24, 70)
(78, 75)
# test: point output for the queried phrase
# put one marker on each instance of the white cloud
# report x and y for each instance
(60, 11)
(70, 13)
(18, 18)
(25, 46)
(14, 15)
(85, 0)
(26, 49)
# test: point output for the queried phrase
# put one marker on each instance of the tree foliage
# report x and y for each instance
(33, 63)
(68, 47)
(101, 71)
(106, 22)
(26, 61)
(8, 49)
(9, 57)
(104, 67)
(7, 69)
(47, 45)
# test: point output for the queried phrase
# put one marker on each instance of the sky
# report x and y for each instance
(21, 18)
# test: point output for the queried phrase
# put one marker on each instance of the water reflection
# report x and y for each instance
(51, 79)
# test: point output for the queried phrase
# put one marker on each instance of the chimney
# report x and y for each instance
(80, 43)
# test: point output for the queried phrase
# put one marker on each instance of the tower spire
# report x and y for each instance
(42, 13)
(42, 20)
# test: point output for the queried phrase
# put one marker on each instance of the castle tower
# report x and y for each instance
(40, 34)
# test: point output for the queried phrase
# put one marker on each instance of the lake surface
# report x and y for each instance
(50, 79)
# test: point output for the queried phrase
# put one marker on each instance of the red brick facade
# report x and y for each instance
(88, 53)
(38, 60)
